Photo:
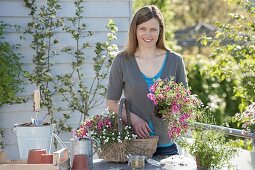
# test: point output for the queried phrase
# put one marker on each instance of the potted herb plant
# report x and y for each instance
(208, 146)
(210, 149)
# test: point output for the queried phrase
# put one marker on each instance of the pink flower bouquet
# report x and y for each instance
(104, 129)
(175, 104)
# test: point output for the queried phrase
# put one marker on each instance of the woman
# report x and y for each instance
(145, 59)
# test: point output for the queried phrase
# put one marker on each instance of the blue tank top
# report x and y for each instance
(150, 81)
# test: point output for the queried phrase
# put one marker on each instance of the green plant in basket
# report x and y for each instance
(104, 129)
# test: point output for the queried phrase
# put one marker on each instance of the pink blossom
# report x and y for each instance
(184, 117)
(178, 96)
(175, 108)
(178, 130)
(177, 104)
(152, 98)
(82, 132)
(107, 122)
(100, 125)
(89, 123)
(153, 88)
(161, 96)
(167, 88)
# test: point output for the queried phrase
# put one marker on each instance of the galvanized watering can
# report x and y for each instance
(83, 146)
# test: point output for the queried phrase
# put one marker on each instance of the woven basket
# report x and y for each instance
(117, 152)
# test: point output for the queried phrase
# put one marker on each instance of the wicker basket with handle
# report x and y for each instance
(117, 152)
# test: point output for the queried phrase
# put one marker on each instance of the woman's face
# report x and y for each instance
(148, 33)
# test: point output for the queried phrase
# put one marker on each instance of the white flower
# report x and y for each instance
(134, 136)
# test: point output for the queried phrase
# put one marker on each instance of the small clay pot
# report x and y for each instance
(47, 158)
(80, 162)
(35, 156)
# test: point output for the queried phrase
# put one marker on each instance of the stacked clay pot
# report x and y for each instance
(39, 156)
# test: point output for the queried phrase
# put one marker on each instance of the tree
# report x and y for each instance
(234, 51)
(81, 96)
(191, 12)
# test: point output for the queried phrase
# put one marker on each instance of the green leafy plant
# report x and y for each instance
(43, 28)
(11, 79)
(216, 94)
(210, 149)
(72, 86)
(80, 96)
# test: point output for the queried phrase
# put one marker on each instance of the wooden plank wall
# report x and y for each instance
(97, 13)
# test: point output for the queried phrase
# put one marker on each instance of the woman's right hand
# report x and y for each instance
(140, 126)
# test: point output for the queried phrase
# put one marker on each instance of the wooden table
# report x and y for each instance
(170, 163)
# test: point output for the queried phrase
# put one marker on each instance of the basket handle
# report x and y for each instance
(120, 127)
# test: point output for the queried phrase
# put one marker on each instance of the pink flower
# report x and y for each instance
(178, 95)
(167, 88)
(89, 123)
(153, 88)
(100, 125)
(184, 117)
(152, 98)
(175, 108)
(107, 122)
(161, 96)
(82, 132)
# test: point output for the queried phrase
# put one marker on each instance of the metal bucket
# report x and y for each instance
(83, 146)
(38, 137)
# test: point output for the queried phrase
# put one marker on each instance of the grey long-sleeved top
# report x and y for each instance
(126, 75)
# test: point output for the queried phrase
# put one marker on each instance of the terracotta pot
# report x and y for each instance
(47, 158)
(35, 156)
(80, 162)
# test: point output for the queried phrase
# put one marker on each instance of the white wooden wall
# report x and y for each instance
(96, 13)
